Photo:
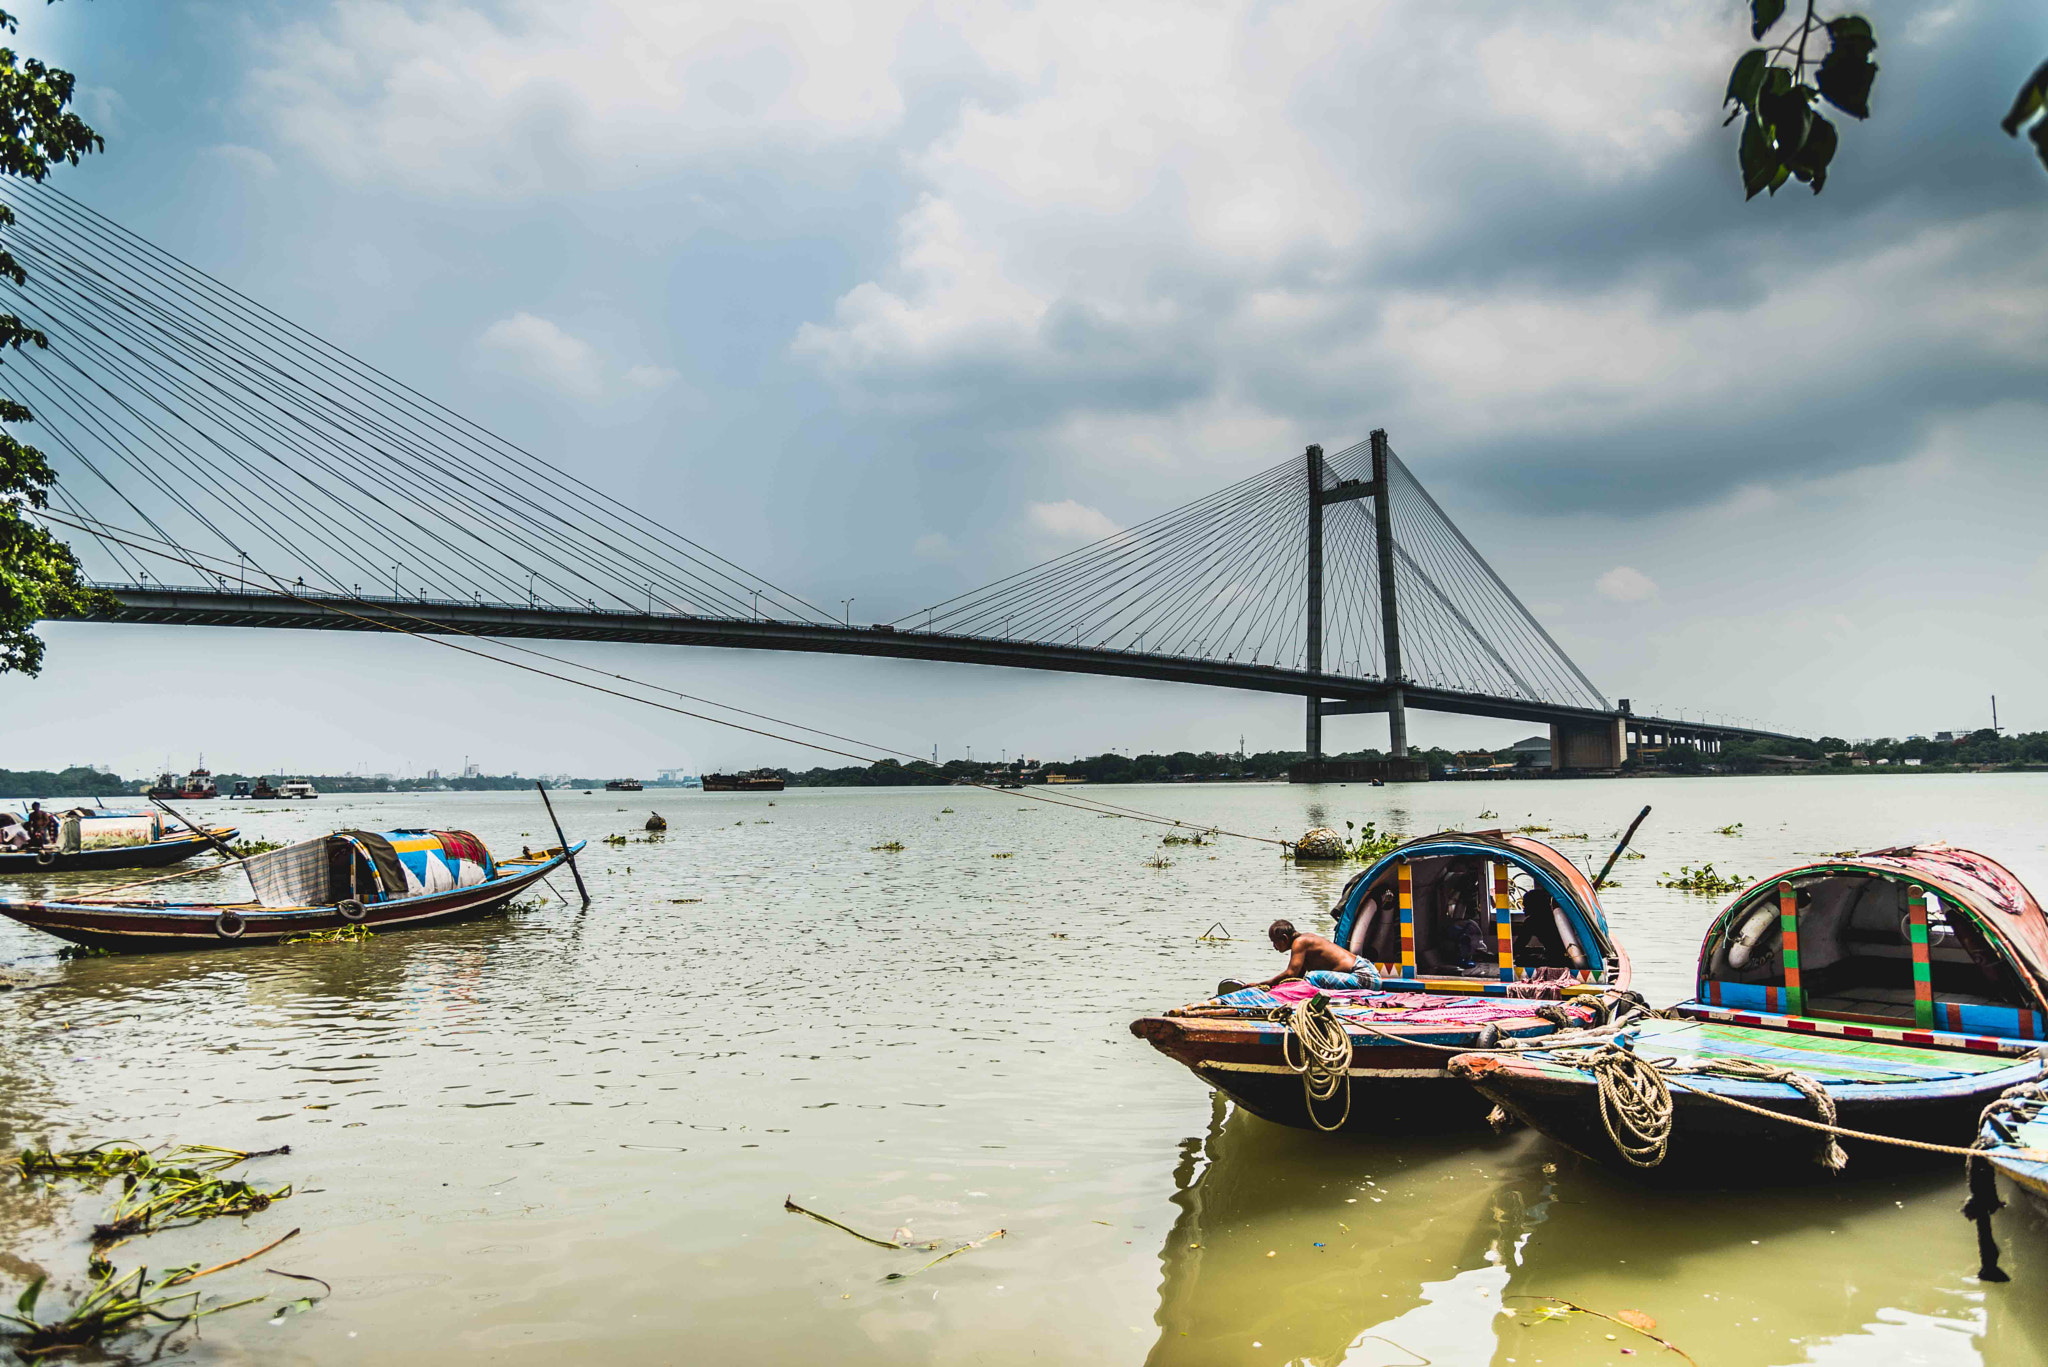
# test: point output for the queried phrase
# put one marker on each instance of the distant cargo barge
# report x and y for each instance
(755, 781)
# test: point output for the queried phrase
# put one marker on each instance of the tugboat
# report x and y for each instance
(622, 785)
(753, 781)
(264, 792)
(193, 786)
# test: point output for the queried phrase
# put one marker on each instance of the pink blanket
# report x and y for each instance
(1418, 1008)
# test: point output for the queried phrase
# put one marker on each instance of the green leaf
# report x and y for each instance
(1810, 164)
(2032, 100)
(2040, 137)
(1759, 159)
(1764, 13)
(1747, 78)
(1846, 72)
(1787, 115)
(27, 1304)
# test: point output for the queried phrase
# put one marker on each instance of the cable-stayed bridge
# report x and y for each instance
(222, 466)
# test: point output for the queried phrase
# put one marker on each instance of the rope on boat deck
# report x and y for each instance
(1324, 1049)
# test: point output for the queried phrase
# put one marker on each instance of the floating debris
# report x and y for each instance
(657, 822)
(1210, 933)
(1487, 816)
(1198, 838)
(1319, 843)
(1635, 1321)
(1733, 828)
(888, 845)
(1158, 861)
(1006, 854)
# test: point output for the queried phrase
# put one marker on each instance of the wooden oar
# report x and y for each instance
(1627, 836)
(206, 832)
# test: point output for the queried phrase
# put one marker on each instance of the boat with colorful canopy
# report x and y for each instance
(89, 838)
(379, 880)
(1893, 993)
(1550, 964)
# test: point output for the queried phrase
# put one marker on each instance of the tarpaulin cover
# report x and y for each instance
(428, 864)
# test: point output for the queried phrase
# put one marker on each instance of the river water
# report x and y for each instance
(567, 1134)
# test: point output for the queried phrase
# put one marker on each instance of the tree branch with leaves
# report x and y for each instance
(39, 576)
(1778, 91)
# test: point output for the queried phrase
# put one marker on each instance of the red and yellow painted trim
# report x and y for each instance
(1503, 923)
(1404, 878)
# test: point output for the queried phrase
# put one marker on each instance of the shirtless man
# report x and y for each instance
(1322, 962)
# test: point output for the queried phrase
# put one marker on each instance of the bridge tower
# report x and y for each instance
(1390, 618)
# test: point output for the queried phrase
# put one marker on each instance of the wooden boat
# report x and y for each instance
(1904, 985)
(1551, 964)
(384, 880)
(2013, 1132)
(92, 838)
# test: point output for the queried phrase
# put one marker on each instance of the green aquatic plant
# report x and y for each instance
(1733, 828)
(1006, 854)
(1198, 838)
(1532, 829)
(1487, 816)
(243, 849)
(1702, 879)
(178, 1186)
(1158, 861)
(888, 845)
(84, 952)
(337, 935)
(1368, 842)
(112, 1303)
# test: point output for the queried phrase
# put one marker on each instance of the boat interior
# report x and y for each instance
(1455, 933)
(1856, 957)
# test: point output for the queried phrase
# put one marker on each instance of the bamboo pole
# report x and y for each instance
(542, 789)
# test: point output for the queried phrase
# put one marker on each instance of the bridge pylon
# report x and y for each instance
(1390, 616)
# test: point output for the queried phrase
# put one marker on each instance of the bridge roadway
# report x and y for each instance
(233, 607)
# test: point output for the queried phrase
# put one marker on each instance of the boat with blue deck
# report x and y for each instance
(379, 880)
(1548, 963)
(1895, 993)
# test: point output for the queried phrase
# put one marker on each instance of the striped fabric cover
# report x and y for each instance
(295, 876)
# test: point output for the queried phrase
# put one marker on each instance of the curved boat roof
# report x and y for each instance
(1985, 889)
(1567, 885)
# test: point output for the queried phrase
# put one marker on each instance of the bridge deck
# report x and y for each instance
(235, 608)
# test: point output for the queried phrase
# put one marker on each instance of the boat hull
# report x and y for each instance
(1931, 1095)
(155, 855)
(1402, 1083)
(136, 928)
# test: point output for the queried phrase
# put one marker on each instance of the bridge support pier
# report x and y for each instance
(1589, 745)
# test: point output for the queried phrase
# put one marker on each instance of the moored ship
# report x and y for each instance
(753, 781)
(622, 785)
(197, 784)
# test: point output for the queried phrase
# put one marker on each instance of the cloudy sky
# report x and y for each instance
(887, 300)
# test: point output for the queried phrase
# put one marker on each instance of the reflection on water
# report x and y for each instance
(568, 1133)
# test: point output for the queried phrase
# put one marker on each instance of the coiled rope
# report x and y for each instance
(1636, 1108)
(1318, 1047)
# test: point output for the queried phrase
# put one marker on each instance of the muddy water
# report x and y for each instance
(567, 1135)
